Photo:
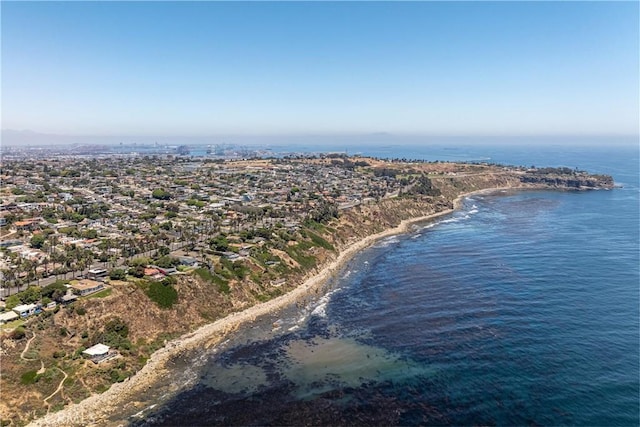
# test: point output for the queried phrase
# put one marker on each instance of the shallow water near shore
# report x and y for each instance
(520, 308)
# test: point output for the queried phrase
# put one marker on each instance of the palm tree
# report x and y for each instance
(68, 262)
(9, 277)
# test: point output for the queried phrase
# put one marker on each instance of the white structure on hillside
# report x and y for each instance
(99, 353)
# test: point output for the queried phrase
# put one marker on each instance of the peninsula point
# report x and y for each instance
(114, 268)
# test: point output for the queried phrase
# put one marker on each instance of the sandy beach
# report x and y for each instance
(96, 409)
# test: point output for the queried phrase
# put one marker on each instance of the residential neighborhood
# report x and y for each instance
(67, 218)
(106, 259)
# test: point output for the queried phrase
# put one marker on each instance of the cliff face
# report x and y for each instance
(452, 186)
(574, 182)
(292, 255)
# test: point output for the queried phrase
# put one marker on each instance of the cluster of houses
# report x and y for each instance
(80, 288)
(116, 200)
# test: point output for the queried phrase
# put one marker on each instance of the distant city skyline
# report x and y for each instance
(207, 69)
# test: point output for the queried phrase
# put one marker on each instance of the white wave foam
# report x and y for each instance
(387, 242)
(449, 220)
(320, 310)
(428, 226)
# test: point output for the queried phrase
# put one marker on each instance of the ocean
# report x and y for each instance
(521, 308)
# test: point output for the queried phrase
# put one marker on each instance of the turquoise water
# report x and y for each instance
(519, 309)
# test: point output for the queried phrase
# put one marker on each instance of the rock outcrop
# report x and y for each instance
(559, 178)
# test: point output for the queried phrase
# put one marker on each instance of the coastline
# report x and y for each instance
(96, 409)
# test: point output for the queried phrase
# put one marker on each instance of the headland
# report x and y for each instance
(263, 269)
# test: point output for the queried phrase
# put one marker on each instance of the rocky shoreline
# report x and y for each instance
(99, 408)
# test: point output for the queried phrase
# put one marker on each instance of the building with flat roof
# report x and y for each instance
(99, 353)
(87, 287)
(97, 273)
(26, 310)
(8, 317)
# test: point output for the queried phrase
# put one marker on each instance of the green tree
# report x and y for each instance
(117, 274)
(90, 234)
(141, 261)
(219, 243)
(167, 262)
(12, 302)
(37, 241)
(115, 334)
(55, 290)
(30, 295)
(137, 271)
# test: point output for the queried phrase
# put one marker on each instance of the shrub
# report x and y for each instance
(223, 285)
(167, 261)
(18, 333)
(141, 261)
(117, 326)
(12, 302)
(81, 311)
(163, 295)
(137, 271)
(169, 280)
(204, 274)
(29, 377)
(117, 274)
(319, 241)
(115, 334)
(30, 295)
(237, 268)
(116, 376)
(161, 194)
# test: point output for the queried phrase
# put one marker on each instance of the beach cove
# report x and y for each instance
(98, 407)
(121, 398)
(356, 228)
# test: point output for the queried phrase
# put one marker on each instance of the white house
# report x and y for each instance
(26, 310)
(8, 317)
(99, 353)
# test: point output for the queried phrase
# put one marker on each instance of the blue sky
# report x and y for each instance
(277, 68)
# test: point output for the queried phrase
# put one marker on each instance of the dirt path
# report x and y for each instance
(57, 390)
(26, 348)
(42, 370)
